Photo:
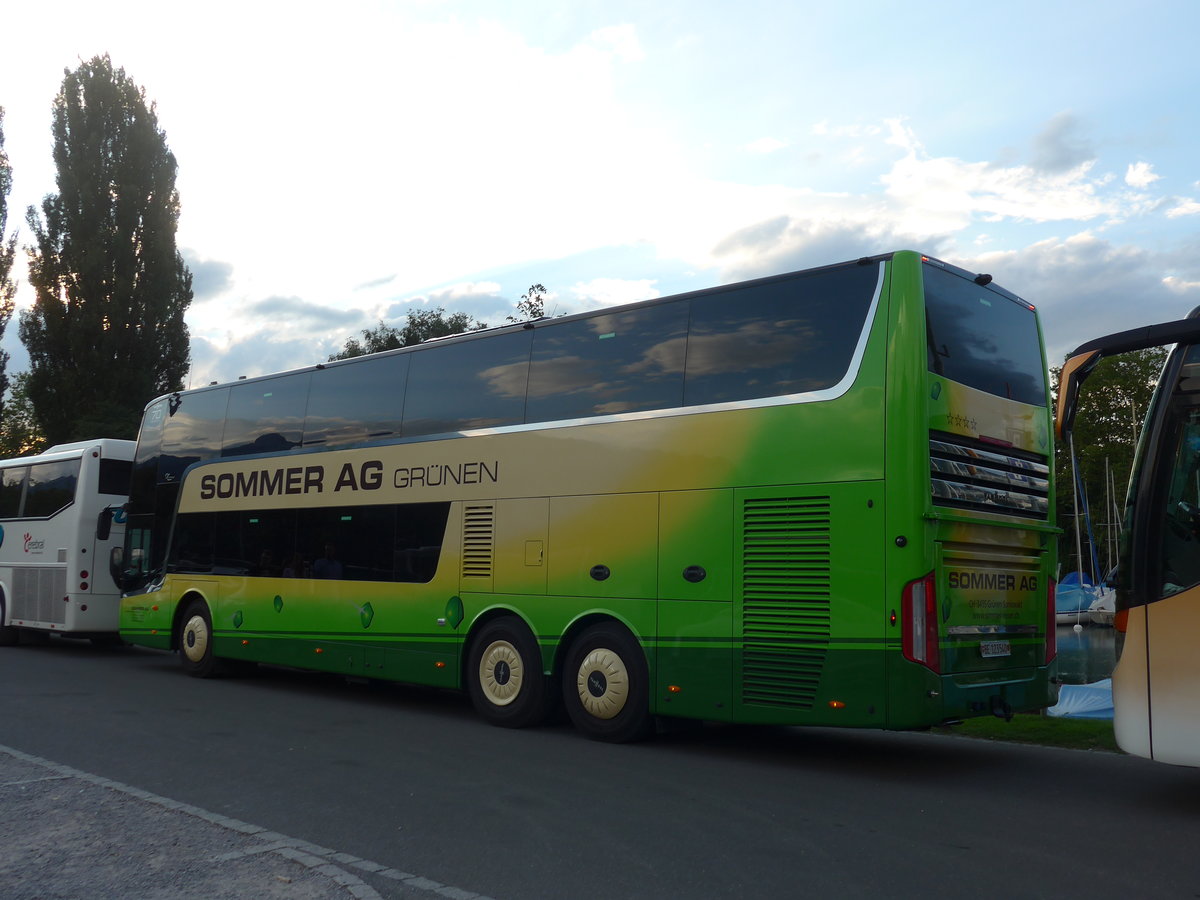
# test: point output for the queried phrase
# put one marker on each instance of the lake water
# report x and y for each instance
(1086, 656)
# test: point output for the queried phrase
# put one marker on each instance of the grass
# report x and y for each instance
(1035, 728)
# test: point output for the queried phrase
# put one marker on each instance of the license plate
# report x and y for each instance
(992, 649)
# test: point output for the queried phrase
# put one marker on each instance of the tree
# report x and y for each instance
(8, 253)
(1112, 404)
(19, 435)
(532, 305)
(420, 325)
(106, 332)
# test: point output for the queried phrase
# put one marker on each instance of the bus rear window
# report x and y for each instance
(978, 337)
(115, 475)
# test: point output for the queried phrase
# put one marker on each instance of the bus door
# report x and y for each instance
(1169, 647)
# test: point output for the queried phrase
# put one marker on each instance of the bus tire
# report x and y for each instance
(196, 641)
(606, 685)
(9, 634)
(504, 675)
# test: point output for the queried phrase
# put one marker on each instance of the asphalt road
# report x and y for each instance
(411, 779)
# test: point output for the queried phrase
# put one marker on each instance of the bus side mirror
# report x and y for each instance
(104, 524)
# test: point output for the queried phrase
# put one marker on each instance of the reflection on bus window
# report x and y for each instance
(51, 487)
(618, 363)
(1181, 531)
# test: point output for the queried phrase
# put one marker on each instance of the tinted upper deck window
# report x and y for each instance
(265, 416)
(790, 335)
(981, 338)
(357, 401)
(613, 363)
(472, 384)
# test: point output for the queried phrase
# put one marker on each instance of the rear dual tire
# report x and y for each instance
(606, 685)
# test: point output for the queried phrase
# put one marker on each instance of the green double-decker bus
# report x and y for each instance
(816, 498)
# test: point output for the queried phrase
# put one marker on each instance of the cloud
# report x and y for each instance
(1184, 208)
(944, 194)
(375, 282)
(619, 40)
(1085, 286)
(482, 301)
(788, 244)
(260, 353)
(1140, 175)
(210, 277)
(1060, 147)
(601, 292)
(287, 310)
(765, 145)
(929, 203)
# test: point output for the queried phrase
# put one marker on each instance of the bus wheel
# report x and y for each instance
(504, 675)
(606, 685)
(9, 635)
(195, 641)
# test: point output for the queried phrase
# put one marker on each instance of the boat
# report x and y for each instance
(1104, 608)
(1073, 600)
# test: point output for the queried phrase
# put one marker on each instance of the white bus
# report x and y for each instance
(1156, 683)
(59, 519)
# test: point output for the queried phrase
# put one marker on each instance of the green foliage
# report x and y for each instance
(8, 253)
(420, 325)
(19, 435)
(532, 305)
(1112, 404)
(106, 332)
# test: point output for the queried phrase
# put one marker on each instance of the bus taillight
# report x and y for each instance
(920, 628)
(1051, 634)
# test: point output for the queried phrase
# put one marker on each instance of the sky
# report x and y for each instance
(341, 164)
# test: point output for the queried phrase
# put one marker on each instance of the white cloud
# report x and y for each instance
(611, 292)
(621, 40)
(1179, 286)
(1140, 175)
(765, 145)
(1085, 286)
(858, 131)
(943, 194)
(1184, 208)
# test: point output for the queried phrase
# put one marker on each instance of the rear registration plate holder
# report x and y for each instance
(994, 649)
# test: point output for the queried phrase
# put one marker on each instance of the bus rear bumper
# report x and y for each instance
(997, 693)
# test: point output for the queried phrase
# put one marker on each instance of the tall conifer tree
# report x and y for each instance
(8, 252)
(106, 332)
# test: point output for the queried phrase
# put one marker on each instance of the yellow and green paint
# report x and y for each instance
(757, 553)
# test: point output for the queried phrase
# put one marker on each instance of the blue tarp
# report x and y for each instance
(1084, 701)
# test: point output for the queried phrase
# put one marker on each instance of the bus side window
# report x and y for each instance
(1181, 514)
(12, 486)
(475, 384)
(51, 487)
(192, 544)
(616, 363)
